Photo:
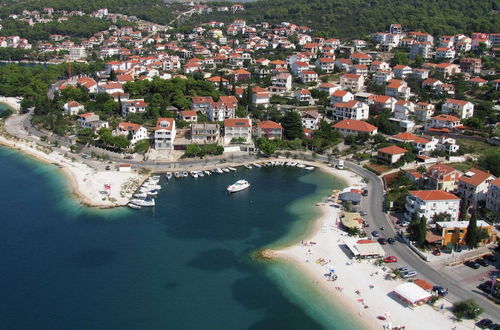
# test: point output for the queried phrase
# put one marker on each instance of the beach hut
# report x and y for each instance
(412, 294)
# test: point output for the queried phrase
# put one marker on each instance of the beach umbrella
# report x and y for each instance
(332, 270)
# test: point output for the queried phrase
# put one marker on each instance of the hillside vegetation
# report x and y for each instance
(355, 18)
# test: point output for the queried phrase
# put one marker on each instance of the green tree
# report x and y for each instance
(292, 125)
(471, 237)
(464, 205)
(467, 309)
(265, 146)
(422, 230)
(142, 146)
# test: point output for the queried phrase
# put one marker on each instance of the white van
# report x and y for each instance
(340, 165)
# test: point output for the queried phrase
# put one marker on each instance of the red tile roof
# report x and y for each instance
(269, 124)
(444, 117)
(355, 125)
(237, 122)
(392, 150)
(476, 178)
(433, 195)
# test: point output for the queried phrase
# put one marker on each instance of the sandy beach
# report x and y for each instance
(374, 298)
(86, 183)
(12, 102)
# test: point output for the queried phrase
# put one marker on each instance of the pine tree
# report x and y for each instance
(464, 205)
(422, 230)
(472, 234)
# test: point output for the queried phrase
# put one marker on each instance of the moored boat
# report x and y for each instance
(257, 165)
(207, 172)
(238, 186)
(248, 166)
(232, 169)
(185, 174)
(168, 175)
(134, 206)
(194, 174)
(309, 168)
(225, 170)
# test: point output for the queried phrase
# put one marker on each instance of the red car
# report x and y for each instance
(391, 259)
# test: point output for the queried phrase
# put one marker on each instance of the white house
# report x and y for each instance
(73, 108)
(352, 81)
(350, 110)
(430, 202)
(165, 133)
(133, 106)
(303, 96)
(493, 196)
(138, 132)
(91, 120)
(473, 185)
(463, 109)
(311, 119)
(237, 128)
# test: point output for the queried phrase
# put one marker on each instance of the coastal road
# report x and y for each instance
(374, 205)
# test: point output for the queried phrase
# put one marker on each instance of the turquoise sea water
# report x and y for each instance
(186, 264)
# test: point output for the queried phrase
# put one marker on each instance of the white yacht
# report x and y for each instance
(225, 170)
(257, 165)
(207, 172)
(238, 186)
(219, 171)
(134, 206)
(194, 174)
(143, 202)
(248, 166)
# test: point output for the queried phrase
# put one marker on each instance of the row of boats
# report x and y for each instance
(144, 196)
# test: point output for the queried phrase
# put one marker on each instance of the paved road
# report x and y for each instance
(373, 204)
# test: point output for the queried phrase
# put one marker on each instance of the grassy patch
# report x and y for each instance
(475, 147)
(463, 167)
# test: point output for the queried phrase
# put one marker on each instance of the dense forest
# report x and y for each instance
(151, 10)
(356, 18)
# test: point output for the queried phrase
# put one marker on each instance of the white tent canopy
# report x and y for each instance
(412, 293)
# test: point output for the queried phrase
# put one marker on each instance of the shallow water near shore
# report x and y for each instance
(185, 264)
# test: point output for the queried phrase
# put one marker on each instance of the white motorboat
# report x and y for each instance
(152, 193)
(225, 170)
(257, 165)
(248, 166)
(177, 175)
(309, 168)
(200, 173)
(141, 195)
(207, 172)
(219, 171)
(185, 174)
(134, 206)
(143, 202)
(232, 169)
(168, 175)
(194, 174)
(238, 186)
(151, 186)
(301, 166)
(156, 177)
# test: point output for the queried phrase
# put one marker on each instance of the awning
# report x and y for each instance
(412, 293)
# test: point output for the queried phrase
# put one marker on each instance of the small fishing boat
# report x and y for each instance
(257, 165)
(168, 175)
(177, 175)
(232, 169)
(201, 174)
(152, 193)
(309, 168)
(248, 166)
(143, 202)
(141, 194)
(134, 206)
(225, 170)
(207, 172)
(156, 177)
(238, 186)
(194, 174)
(185, 174)
(301, 166)
(219, 171)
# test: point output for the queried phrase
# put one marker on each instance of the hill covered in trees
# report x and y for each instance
(355, 18)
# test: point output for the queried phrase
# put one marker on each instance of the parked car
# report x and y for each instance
(408, 274)
(495, 327)
(108, 168)
(363, 213)
(85, 156)
(483, 262)
(484, 323)
(375, 233)
(403, 269)
(382, 241)
(490, 257)
(472, 264)
(128, 157)
(485, 287)
(391, 259)
(391, 240)
(365, 192)
(440, 290)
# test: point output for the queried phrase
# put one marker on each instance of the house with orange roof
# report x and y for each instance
(430, 202)
(91, 120)
(135, 131)
(216, 80)
(303, 96)
(493, 197)
(341, 96)
(269, 129)
(133, 106)
(237, 128)
(260, 96)
(443, 123)
(473, 185)
(165, 133)
(391, 154)
(420, 143)
(454, 232)
(447, 69)
(73, 108)
(326, 64)
(241, 75)
(189, 116)
(478, 81)
(424, 111)
(308, 76)
(361, 58)
(351, 81)
(328, 88)
(398, 89)
(351, 109)
(442, 177)
(460, 108)
(352, 126)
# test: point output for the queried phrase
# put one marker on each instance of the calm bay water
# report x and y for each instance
(186, 264)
